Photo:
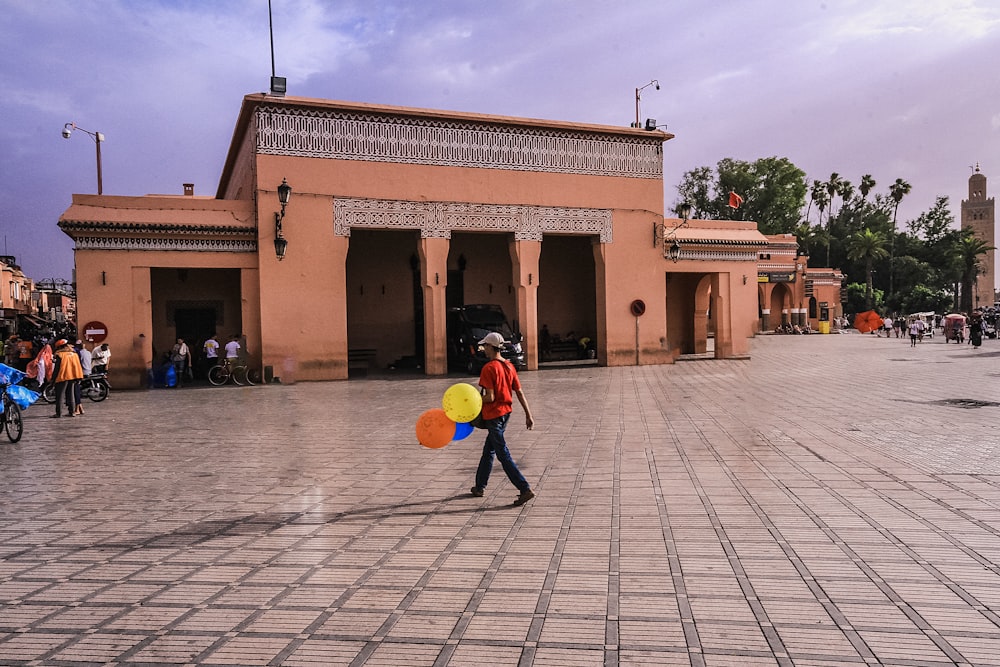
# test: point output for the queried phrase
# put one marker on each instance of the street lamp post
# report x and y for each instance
(67, 132)
(638, 93)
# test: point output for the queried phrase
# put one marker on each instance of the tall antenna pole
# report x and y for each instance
(278, 83)
(270, 28)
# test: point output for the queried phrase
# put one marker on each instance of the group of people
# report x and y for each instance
(64, 365)
(789, 328)
(181, 360)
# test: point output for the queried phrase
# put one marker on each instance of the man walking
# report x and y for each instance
(499, 383)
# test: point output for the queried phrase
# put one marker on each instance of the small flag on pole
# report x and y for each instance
(735, 200)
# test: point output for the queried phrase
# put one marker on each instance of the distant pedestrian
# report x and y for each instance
(40, 368)
(976, 329)
(211, 348)
(233, 351)
(916, 331)
(887, 327)
(500, 383)
(180, 357)
(101, 359)
(86, 365)
(67, 372)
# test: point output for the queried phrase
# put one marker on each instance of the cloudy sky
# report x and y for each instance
(894, 88)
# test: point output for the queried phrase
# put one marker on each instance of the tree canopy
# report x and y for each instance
(930, 265)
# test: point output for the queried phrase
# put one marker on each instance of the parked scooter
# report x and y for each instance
(95, 387)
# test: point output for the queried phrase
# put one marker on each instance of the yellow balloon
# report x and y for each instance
(462, 402)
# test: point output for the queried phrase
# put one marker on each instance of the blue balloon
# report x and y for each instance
(463, 430)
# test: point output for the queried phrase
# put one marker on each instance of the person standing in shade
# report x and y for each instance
(211, 353)
(180, 356)
(233, 351)
(499, 383)
(66, 373)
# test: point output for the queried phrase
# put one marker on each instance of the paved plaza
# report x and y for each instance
(834, 500)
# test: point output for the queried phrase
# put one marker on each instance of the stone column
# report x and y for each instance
(434, 280)
(524, 257)
(722, 315)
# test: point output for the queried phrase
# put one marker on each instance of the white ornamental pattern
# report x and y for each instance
(440, 219)
(196, 245)
(344, 135)
(702, 254)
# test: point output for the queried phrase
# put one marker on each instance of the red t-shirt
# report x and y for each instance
(501, 377)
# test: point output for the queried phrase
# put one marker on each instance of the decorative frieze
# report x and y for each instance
(188, 244)
(345, 135)
(714, 254)
(440, 219)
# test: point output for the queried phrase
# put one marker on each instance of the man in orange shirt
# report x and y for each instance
(500, 382)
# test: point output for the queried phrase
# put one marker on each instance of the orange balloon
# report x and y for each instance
(434, 429)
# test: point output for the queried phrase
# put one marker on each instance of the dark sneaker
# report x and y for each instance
(477, 492)
(524, 497)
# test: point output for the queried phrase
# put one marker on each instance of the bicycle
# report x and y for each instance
(10, 419)
(239, 374)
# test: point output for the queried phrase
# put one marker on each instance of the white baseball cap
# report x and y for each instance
(493, 339)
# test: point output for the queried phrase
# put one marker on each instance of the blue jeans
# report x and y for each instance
(495, 445)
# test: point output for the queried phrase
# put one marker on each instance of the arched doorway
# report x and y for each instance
(781, 299)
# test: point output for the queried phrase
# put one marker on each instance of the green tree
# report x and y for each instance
(923, 299)
(857, 298)
(971, 248)
(773, 191)
(808, 237)
(867, 246)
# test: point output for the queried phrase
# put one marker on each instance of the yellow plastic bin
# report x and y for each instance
(824, 327)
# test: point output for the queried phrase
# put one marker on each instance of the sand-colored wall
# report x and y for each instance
(115, 287)
(314, 259)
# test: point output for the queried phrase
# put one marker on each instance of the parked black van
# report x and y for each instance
(469, 324)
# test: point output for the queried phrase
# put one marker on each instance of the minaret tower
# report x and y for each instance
(979, 215)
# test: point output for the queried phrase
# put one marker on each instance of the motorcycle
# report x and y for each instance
(95, 387)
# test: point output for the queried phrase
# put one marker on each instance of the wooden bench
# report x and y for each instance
(563, 350)
(359, 361)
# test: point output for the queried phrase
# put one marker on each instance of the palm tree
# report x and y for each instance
(806, 235)
(867, 183)
(970, 247)
(821, 198)
(831, 189)
(897, 191)
(867, 246)
(846, 191)
(823, 237)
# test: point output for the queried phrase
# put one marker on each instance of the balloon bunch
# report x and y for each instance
(460, 404)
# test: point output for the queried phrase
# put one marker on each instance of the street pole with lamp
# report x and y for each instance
(638, 92)
(67, 132)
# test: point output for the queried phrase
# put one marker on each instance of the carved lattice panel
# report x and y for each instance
(375, 138)
(440, 219)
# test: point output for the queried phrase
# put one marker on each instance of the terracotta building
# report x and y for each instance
(396, 215)
(791, 293)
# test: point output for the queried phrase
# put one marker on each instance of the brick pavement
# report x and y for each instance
(822, 503)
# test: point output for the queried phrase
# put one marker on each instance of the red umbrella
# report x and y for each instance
(867, 321)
